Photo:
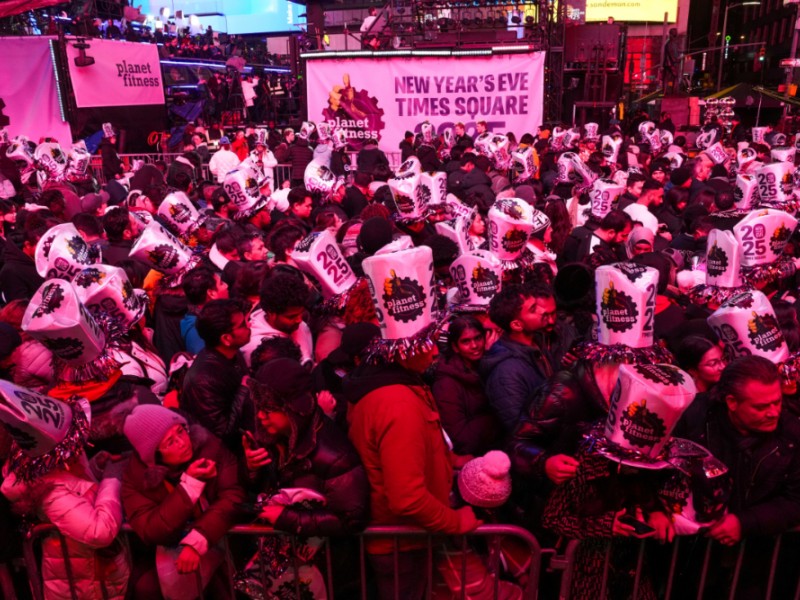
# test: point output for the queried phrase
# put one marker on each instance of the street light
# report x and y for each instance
(724, 33)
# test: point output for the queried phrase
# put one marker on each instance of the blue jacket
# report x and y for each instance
(512, 373)
(191, 339)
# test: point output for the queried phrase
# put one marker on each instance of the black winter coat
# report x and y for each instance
(214, 396)
(765, 470)
(170, 308)
(19, 279)
(565, 408)
(370, 157)
(300, 154)
(464, 408)
(111, 160)
(321, 458)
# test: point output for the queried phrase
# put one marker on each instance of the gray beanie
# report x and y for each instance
(146, 426)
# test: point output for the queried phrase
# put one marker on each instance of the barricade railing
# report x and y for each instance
(718, 574)
(492, 535)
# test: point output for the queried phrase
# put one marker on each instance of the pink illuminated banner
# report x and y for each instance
(28, 90)
(124, 74)
(384, 97)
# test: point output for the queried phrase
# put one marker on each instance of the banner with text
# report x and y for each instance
(123, 74)
(28, 92)
(383, 98)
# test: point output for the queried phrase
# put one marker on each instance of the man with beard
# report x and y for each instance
(282, 308)
(515, 366)
(606, 237)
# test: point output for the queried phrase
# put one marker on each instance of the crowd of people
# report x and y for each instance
(592, 334)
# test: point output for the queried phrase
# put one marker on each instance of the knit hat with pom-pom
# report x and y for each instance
(486, 481)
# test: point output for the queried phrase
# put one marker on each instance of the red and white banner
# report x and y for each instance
(384, 97)
(123, 74)
(28, 92)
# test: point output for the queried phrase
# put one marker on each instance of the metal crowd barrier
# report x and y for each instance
(493, 535)
(718, 573)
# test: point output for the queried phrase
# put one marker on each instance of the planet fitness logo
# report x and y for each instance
(484, 282)
(164, 256)
(617, 309)
(764, 332)
(779, 239)
(355, 112)
(403, 298)
(717, 261)
(52, 297)
(88, 277)
(514, 240)
(641, 426)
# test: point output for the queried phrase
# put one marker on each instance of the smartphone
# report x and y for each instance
(249, 439)
(639, 527)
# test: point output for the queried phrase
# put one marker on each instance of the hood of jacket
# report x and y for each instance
(505, 349)
(453, 366)
(367, 378)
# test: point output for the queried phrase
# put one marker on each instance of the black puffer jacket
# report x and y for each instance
(214, 396)
(565, 408)
(18, 277)
(765, 471)
(111, 162)
(300, 154)
(369, 157)
(318, 456)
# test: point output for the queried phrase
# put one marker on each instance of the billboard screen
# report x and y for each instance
(631, 11)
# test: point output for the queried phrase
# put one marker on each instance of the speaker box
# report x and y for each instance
(583, 40)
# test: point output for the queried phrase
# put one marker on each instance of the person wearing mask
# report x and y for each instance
(466, 414)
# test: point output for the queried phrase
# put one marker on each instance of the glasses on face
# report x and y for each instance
(713, 364)
(168, 443)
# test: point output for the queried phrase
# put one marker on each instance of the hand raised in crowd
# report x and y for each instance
(665, 530)
(560, 468)
(727, 531)
(255, 457)
(188, 560)
(203, 469)
(326, 402)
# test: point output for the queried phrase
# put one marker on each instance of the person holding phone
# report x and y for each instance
(613, 497)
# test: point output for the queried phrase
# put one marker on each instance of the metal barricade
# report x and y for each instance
(717, 575)
(492, 534)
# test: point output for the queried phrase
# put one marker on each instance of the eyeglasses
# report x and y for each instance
(170, 442)
(713, 364)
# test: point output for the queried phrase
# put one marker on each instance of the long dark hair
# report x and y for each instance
(457, 328)
(691, 351)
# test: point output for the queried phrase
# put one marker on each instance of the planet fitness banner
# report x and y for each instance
(124, 74)
(28, 92)
(383, 98)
